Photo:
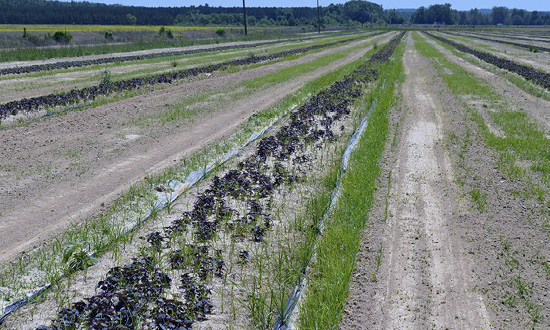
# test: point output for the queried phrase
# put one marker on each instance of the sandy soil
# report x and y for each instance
(429, 257)
(68, 167)
(425, 277)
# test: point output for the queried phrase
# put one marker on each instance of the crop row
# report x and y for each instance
(134, 294)
(384, 54)
(505, 42)
(533, 75)
(89, 93)
(105, 60)
(516, 37)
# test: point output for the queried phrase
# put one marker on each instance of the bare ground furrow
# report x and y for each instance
(425, 277)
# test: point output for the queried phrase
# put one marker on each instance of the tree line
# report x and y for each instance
(352, 13)
(443, 14)
(355, 12)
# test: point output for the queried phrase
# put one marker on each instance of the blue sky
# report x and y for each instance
(541, 5)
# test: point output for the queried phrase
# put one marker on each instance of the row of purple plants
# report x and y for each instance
(517, 44)
(135, 295)
(90, 93)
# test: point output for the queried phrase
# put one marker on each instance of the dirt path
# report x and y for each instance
(67, 167)
(425, 277)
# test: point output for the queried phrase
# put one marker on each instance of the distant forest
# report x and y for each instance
(443, 14)
(55, 12)
(352, 13)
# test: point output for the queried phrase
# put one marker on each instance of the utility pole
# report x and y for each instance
(318, 17)
(244, 14)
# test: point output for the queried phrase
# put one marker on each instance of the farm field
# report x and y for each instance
(102, 28)
(35, 42)
(37, 78)
(370, 180)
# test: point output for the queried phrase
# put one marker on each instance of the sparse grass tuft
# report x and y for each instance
(480, 198)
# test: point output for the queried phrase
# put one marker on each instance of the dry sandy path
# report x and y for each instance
(425, 278)
(42, 189)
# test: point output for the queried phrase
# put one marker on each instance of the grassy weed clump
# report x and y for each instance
(62, 36)
(105, 77)
(480, 198)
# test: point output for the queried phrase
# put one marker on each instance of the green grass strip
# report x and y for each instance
(336, 250)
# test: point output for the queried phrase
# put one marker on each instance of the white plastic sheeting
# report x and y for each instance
(176, 188)
(288, 320)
